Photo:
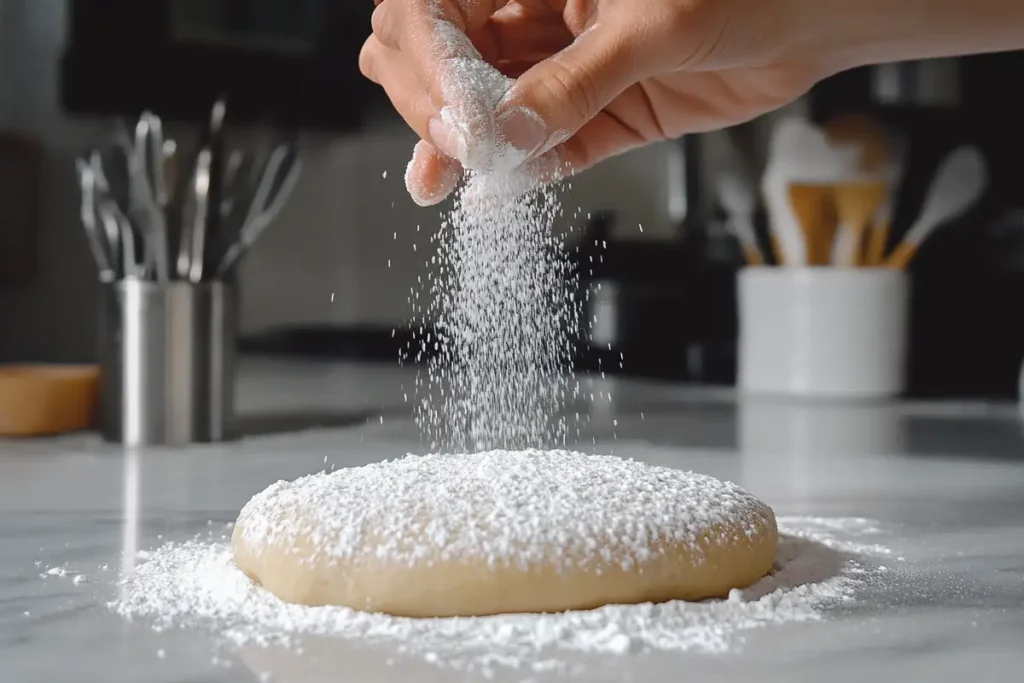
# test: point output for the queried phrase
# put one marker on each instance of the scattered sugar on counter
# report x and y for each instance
(196, 584)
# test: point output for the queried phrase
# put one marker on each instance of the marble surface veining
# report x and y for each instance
(946, 482)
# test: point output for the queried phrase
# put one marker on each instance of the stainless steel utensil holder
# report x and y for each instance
(168, 362)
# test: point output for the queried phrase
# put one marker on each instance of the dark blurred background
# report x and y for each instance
(333, 276)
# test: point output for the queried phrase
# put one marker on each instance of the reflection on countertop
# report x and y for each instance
(945, 480)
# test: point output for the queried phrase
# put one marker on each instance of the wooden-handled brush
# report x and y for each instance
(860, 202)
(815, 212)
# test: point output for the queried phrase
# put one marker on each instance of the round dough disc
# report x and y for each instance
(501, 532)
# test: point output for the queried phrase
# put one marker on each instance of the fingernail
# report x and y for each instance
(523, 129)
(447, 139)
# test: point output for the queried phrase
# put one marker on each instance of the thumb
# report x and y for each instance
(553, 99)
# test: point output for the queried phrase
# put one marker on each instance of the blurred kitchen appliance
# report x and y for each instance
(290, 61)
(649, 308)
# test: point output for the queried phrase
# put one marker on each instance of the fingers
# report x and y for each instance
(430, 32)
(463, 89)
(460, 84)
(600, 138)
(515, 36)
(466, 108)
(430, 176)
(569, 89)
(389, 68)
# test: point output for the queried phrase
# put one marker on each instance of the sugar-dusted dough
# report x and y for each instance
(499, 532)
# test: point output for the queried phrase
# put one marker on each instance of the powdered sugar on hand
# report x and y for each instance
(197, 585)
(473, 93)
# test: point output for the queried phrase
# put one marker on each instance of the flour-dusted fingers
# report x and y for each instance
(431, 176)
(433, 36)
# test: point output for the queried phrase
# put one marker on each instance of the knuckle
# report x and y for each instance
(378, 18)
(382, 23)
(368, 59)
(574, 88)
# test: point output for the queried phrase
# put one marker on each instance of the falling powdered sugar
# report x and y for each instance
(497, 312)
(501, 309)
(196, 584)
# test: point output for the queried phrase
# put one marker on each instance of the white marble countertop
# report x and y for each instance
(945, 482)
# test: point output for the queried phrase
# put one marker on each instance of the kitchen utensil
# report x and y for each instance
(799, 154)
(172, 170)
(201, 213)
(215, 192)
(200, 221)
(160, 196)
(168, 358)
(116, 224)
(156, 162)
(151, 195)
(113, 168)
(858, 205)
(94, 234)
(738, 196)
(878, 238)
(169, 152)
(280, 175)
(861, 198)
(108, 219)
(958, 184)
(156, 201)
(112, 215)
(44, 400)
(813, 208)
(112, 230)
(235, 172)
(822, 332)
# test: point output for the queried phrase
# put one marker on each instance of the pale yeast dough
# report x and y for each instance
(497, 532)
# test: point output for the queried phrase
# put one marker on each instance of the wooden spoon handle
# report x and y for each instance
(877, 243)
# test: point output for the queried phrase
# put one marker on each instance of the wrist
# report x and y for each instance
(837, 35)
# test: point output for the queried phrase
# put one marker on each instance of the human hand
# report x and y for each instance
(564, 84)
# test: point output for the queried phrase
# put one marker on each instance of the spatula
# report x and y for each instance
(959, 183)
